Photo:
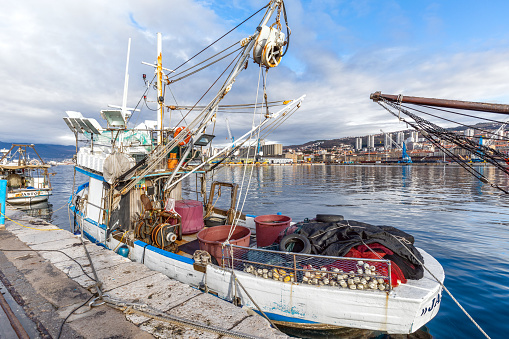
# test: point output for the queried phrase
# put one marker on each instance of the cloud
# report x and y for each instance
(71, 56)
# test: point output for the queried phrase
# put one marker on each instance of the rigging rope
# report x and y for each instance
(464, 114)
(161, 150)
(195, 121)
(202, 68)
(436, 134)
(234, 28)
(459, 123)
(198, 64)
(237, 214)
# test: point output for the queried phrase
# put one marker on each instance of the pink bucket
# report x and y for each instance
(191, 212)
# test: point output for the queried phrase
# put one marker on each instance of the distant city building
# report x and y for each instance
(247, 152)
(371, 142)
(387, 141)
(414, 136)
(469, 132)
(358, 144)
(271, 150)
(500, 134)
(400, 137)
(277, 160)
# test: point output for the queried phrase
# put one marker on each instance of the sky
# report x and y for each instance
(68, 55)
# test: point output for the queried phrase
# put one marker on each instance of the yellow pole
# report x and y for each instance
(160, 100)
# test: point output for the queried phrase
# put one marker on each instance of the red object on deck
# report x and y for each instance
(212, 238)
(363, 251)
(191, 212)
(268, 228)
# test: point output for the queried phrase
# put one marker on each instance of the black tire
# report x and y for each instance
(214, 221)
(300, 243)
(329, 217)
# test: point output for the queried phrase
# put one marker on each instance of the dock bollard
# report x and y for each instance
(3, 198)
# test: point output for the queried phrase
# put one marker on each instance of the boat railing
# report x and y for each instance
(342, 272)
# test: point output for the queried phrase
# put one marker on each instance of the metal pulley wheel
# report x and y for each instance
(268, 48)
(272, 54)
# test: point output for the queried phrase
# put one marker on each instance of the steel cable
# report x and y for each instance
(432, 131)
(137, 308)
(185, 62)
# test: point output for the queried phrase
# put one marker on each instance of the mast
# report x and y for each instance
(160, 98)
(468, 105)
(126, 83)
(196, 128)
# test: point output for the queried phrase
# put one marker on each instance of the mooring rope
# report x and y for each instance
(445, 288)
(252, 300)
(128, 307)
(32, 228)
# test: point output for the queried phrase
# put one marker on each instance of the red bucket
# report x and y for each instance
(268, 228)
(211, 239)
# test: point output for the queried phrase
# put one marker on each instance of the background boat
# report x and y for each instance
(27, 179)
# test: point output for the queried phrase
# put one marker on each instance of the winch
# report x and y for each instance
(268, 48)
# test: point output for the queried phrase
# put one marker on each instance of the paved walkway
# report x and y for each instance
(48, 286)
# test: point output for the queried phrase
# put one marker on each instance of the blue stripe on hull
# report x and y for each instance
(279, 317)
(272, 316)
(88, 173)
(93, 240)
(93, 222)
(164, 253)
(170, 255)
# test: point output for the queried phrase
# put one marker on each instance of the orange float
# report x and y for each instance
(178, 131)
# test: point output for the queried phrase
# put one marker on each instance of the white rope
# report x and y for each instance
(254, 156)
(237, 215)
(378, 255)
(445, 288)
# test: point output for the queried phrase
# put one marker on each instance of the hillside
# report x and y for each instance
(47, 151)
(379, 138)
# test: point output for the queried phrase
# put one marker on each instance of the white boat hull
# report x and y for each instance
(27, 196)
(404, 309)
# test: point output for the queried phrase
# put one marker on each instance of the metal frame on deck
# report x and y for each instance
(298, 268)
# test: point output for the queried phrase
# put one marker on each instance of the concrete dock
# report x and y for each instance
(43, 287)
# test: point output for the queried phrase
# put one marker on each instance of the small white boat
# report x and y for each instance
(132, 203)
(27, 179)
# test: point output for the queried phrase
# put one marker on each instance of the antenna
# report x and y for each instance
(126, 81)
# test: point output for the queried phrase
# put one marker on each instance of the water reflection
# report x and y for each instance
(43, 210)
(352, 333)
(460, 221)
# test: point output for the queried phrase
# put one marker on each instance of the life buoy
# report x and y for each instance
(35, 162)
(300, 243)
(177, 132)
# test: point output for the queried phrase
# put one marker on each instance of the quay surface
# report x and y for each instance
(43, 287)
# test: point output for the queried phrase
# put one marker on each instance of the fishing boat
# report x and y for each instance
(27, 179)
(132, 203)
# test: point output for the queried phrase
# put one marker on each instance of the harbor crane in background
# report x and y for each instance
(230, 136)
(490, 141)
(405, 158)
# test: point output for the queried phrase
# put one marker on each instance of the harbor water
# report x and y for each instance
(461, 221)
